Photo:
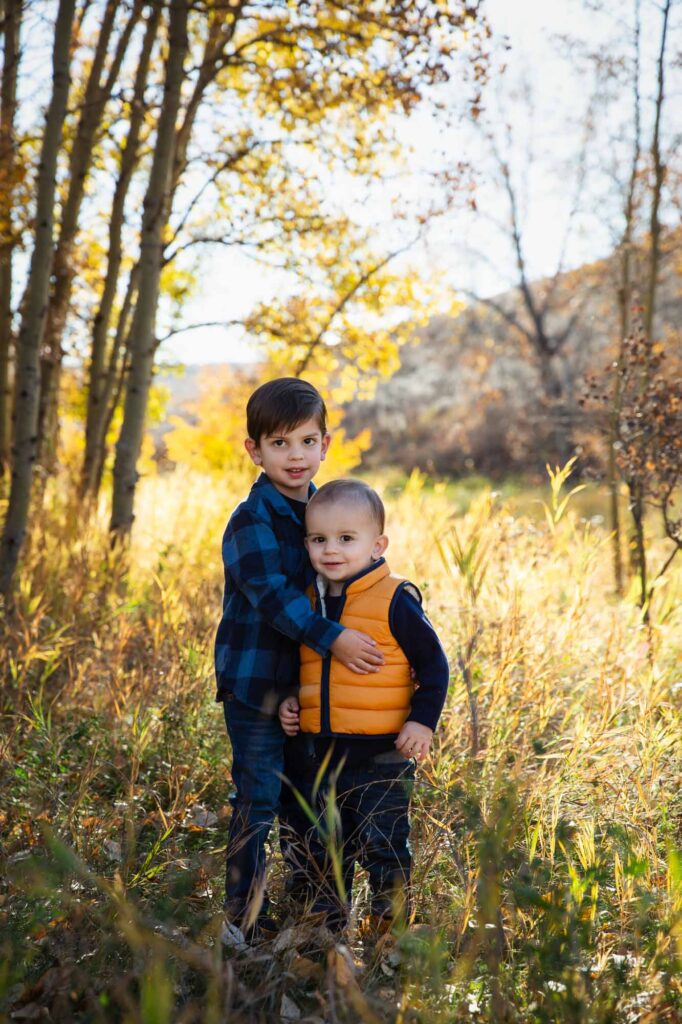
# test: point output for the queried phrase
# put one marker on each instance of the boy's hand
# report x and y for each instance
(288, 715)
(414, 740)
(357, 651)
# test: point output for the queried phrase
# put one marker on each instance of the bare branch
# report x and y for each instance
(197, 327)
(343, 302)
(506, 315)
(659, 174)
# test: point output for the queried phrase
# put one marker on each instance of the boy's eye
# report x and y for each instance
(310, 441)
(278, 443)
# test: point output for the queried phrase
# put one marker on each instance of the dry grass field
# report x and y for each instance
(547, 825)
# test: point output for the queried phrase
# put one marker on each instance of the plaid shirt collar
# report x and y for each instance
(266, 491)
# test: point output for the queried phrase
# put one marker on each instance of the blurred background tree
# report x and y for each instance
(348, 155)
(447, 216)
(224, 124)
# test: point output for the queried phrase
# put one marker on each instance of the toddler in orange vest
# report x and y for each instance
(367, 730)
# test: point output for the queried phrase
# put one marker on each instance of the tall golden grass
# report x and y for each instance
(547, 825)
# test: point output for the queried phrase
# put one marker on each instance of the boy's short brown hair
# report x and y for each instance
(351, 490)
(281, 405)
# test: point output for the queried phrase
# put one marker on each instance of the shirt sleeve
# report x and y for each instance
(424, 651)
(252, 557)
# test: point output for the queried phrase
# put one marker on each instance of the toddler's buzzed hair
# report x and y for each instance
(351, 490)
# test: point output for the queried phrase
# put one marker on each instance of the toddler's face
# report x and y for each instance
(291, 458)
(342, 539)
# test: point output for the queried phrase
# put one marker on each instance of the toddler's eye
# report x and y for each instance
(346, 537)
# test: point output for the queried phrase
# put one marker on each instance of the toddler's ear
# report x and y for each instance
(380, 545)
(254, 451)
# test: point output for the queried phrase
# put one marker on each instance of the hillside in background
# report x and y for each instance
(468, 395)
(469, 392)
(184, 384)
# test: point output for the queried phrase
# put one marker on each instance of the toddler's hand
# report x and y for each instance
(414, 740)
(288, 715)
(357, 651)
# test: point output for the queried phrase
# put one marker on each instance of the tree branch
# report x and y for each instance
(343, 302)
(510, 318)
(197, 327)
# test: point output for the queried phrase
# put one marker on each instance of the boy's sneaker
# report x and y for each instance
(232, 937)
(235, 936)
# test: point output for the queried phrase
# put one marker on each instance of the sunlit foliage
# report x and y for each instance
(547, 873)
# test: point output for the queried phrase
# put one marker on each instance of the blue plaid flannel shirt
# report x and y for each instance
(266, 613)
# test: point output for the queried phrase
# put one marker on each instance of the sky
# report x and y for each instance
(465, 251)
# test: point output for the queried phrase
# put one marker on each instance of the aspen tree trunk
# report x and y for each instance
(104, 386)
(109, 394)
(625, 305)
(212, 59)
(142, 335)
(636, 498)
(114, 377)
(97, 94)
(10, 12)
(102, 371)
(27, 389)
(219, 36)
(117, 378)
(557, 408)
(659, 178)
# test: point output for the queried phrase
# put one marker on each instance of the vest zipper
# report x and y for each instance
(325, 715)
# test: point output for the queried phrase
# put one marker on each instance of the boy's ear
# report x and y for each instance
(326, 441)
(253, 449)
(380, 545)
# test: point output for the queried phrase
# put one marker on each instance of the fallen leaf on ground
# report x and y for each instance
(343, 971)
(112, 849)
(288, 1010)
(32, 1011)
(285, 940)
(304, 968)
(198, 816)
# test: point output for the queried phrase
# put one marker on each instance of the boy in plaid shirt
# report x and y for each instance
(266, 616)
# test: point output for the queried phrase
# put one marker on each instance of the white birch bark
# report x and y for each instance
(142, 343)
(11, 18)
(98, 91)
(102, 370)
(27, 391)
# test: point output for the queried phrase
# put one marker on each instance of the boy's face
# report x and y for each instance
(291, 458)
(342, 539)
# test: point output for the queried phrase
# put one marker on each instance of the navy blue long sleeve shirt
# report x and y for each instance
(266, 611)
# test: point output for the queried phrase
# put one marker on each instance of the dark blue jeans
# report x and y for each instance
(260, 756)
(367, 822)
(257, 763)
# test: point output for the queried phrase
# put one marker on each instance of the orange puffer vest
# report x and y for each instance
(335, 700)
